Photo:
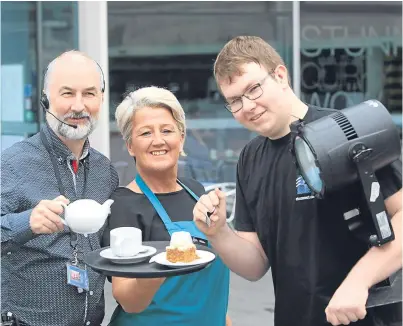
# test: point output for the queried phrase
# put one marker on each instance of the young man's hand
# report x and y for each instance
(348, 303)
(213, 202)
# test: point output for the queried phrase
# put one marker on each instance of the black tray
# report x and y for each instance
(143, 269)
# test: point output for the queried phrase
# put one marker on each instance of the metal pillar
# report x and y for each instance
(296, 45)
(93, 40)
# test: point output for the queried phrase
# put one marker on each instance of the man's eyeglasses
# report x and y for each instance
(253, 93)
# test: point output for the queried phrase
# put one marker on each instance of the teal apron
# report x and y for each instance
(197, 299)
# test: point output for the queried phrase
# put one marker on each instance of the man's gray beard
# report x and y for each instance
(81, 132)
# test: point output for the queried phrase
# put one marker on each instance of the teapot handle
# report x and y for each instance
(64, 209)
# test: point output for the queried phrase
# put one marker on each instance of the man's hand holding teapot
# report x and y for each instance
(45, 217)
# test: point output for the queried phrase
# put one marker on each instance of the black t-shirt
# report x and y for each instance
(308, 244)
(135, 210)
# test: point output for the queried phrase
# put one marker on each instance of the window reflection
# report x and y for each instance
(174, 45)
(32, 34)
(351, 56)
(59, 28)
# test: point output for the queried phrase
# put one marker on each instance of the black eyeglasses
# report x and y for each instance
(253, 93)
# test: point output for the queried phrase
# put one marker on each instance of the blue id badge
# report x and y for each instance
(77, 277)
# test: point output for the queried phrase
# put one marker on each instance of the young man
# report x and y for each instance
(55, 165)
(321, 272)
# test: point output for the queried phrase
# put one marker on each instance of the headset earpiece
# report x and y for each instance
(103, 77)
(45, 101)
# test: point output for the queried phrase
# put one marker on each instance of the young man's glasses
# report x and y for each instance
(253, 93)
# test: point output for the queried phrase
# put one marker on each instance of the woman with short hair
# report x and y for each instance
(152, 123)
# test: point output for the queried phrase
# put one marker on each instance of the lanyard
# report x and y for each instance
(157, 204)
(73, 236)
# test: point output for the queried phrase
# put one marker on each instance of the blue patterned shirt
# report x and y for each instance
(33, 267)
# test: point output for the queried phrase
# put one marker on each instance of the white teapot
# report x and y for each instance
(86, 216)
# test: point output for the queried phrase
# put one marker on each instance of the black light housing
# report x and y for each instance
(346, 146)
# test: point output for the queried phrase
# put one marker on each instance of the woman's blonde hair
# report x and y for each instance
(153, 97)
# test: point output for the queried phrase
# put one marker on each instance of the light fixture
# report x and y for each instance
(344, 147)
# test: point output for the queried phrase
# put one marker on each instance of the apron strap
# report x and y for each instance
(156, 204)
(196, 198)
(171, 227)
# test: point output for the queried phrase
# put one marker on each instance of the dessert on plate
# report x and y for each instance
(181, 248)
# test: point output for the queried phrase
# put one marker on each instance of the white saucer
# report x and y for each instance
(205, 257)
(146, 252)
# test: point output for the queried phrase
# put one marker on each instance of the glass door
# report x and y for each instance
(18, 71)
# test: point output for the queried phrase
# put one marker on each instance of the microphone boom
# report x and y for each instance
(47, 111)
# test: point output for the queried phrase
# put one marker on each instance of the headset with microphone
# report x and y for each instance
(45, 106)
(44, 102)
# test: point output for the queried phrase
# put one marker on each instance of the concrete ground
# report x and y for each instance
(250, 303)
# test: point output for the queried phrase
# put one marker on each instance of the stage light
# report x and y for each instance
(346, 146)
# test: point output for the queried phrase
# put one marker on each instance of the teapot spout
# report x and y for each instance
(107, 205)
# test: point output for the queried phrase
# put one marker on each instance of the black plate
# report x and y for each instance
(142, 269)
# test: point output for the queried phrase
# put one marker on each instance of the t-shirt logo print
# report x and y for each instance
(303, 191)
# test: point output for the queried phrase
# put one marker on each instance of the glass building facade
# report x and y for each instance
(350, 52)
(32, 34)
(338, 54)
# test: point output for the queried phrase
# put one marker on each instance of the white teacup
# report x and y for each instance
(126, 241)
